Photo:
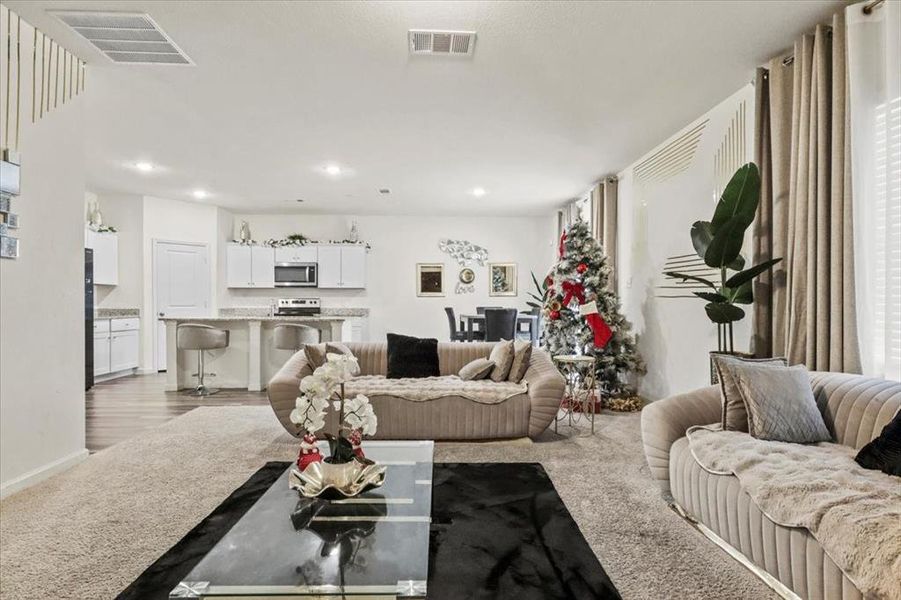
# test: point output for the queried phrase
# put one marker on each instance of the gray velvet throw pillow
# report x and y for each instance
(735, 417)
(480, 368)
(780, 404)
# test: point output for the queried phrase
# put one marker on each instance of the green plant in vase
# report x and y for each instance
(719, 242)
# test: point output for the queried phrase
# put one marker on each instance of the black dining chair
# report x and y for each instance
(480, 310)
(456, 333)
(524, 330)
(500, 324)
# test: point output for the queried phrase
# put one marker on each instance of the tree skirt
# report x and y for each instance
(499, 530)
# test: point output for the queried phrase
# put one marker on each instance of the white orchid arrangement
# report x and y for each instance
(326, 387)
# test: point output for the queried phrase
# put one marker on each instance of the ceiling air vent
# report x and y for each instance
(127, 38)
(449, 43)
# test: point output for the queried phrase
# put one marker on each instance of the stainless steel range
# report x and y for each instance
(293, 307)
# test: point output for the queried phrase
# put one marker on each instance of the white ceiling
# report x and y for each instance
(556, 95)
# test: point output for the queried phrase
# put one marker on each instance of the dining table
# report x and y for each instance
(476, 322)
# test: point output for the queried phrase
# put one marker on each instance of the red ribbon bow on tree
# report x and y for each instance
(572, 289)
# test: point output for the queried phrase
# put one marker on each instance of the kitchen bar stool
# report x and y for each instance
(195, 336)
(293, 336)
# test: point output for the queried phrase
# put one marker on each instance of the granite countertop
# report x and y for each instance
(233, 318)
(259, 311)
(253, 313)
(116, 313)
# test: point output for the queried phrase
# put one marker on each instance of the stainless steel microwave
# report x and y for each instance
(296, 274)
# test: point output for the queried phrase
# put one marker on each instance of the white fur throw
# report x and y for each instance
(854, 513)
(421, 389)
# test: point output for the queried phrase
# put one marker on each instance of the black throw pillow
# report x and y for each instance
(412, 357)
(884, 452)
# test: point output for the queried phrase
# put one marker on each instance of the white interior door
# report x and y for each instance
(181, 287)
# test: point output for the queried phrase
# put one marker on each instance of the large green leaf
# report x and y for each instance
(738, 264)
(710, 296)
(749, 274)
(726, 244)
(701, 234)
(720, 312)
(743, 294)
(739, 199)
(684, 277)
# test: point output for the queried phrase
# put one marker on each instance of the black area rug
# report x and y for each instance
(499, 531)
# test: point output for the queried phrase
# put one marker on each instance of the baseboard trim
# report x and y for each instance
(774, 584)
(41, 473)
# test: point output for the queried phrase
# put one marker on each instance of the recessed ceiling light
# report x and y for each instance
(478, 192)
(200, 194)
(333, 169)
(145, 167)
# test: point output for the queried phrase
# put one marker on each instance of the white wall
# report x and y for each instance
(125, 212)
(398, 243)
(675, 335)
(42, 298)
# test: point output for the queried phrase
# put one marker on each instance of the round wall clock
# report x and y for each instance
(467, 276)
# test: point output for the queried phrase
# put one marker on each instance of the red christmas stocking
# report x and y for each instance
(602, 331)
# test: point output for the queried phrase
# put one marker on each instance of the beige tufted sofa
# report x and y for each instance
(450, 418)
(855, 409)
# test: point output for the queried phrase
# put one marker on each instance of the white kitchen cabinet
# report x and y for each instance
(101, 353)
(116, 345)
(297, 254)
(106, 256)
(342, 267)
(262, 267)
(329, 266)
(353, 267)
(250, 266)
(239, 266)
(123, 350)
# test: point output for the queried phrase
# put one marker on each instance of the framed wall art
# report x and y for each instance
(502, 279)
(429, 279)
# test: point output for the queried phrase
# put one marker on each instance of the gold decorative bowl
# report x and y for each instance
(349, 479)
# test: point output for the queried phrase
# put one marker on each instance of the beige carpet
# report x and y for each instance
(87, 533)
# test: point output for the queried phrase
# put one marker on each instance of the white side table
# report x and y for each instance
(581, 388)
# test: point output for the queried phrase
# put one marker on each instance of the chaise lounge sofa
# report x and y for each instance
(854, 408)
(444, 418)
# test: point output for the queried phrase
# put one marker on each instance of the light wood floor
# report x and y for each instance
(122, 408)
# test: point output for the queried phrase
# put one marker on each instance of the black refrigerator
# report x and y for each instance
(88, 319)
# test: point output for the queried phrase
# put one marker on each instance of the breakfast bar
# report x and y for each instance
(250, 358)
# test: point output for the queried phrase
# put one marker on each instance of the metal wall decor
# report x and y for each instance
(464, 252)
(464, 283)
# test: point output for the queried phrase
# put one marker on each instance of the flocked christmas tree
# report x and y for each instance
(581, 315)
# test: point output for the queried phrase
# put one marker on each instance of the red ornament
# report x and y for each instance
(581, 268)
(554, 315)
(309, 453)
(356, 438)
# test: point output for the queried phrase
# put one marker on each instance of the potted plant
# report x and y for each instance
(346, 470)
(718, 242)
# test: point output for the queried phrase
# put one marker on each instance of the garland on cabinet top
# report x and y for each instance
(298, 239)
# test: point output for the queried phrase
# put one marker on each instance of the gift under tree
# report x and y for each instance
(581, 315)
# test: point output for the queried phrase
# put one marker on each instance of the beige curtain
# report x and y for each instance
(804, 309)
(603, 222)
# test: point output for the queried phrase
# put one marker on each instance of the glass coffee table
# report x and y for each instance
(373, 546)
